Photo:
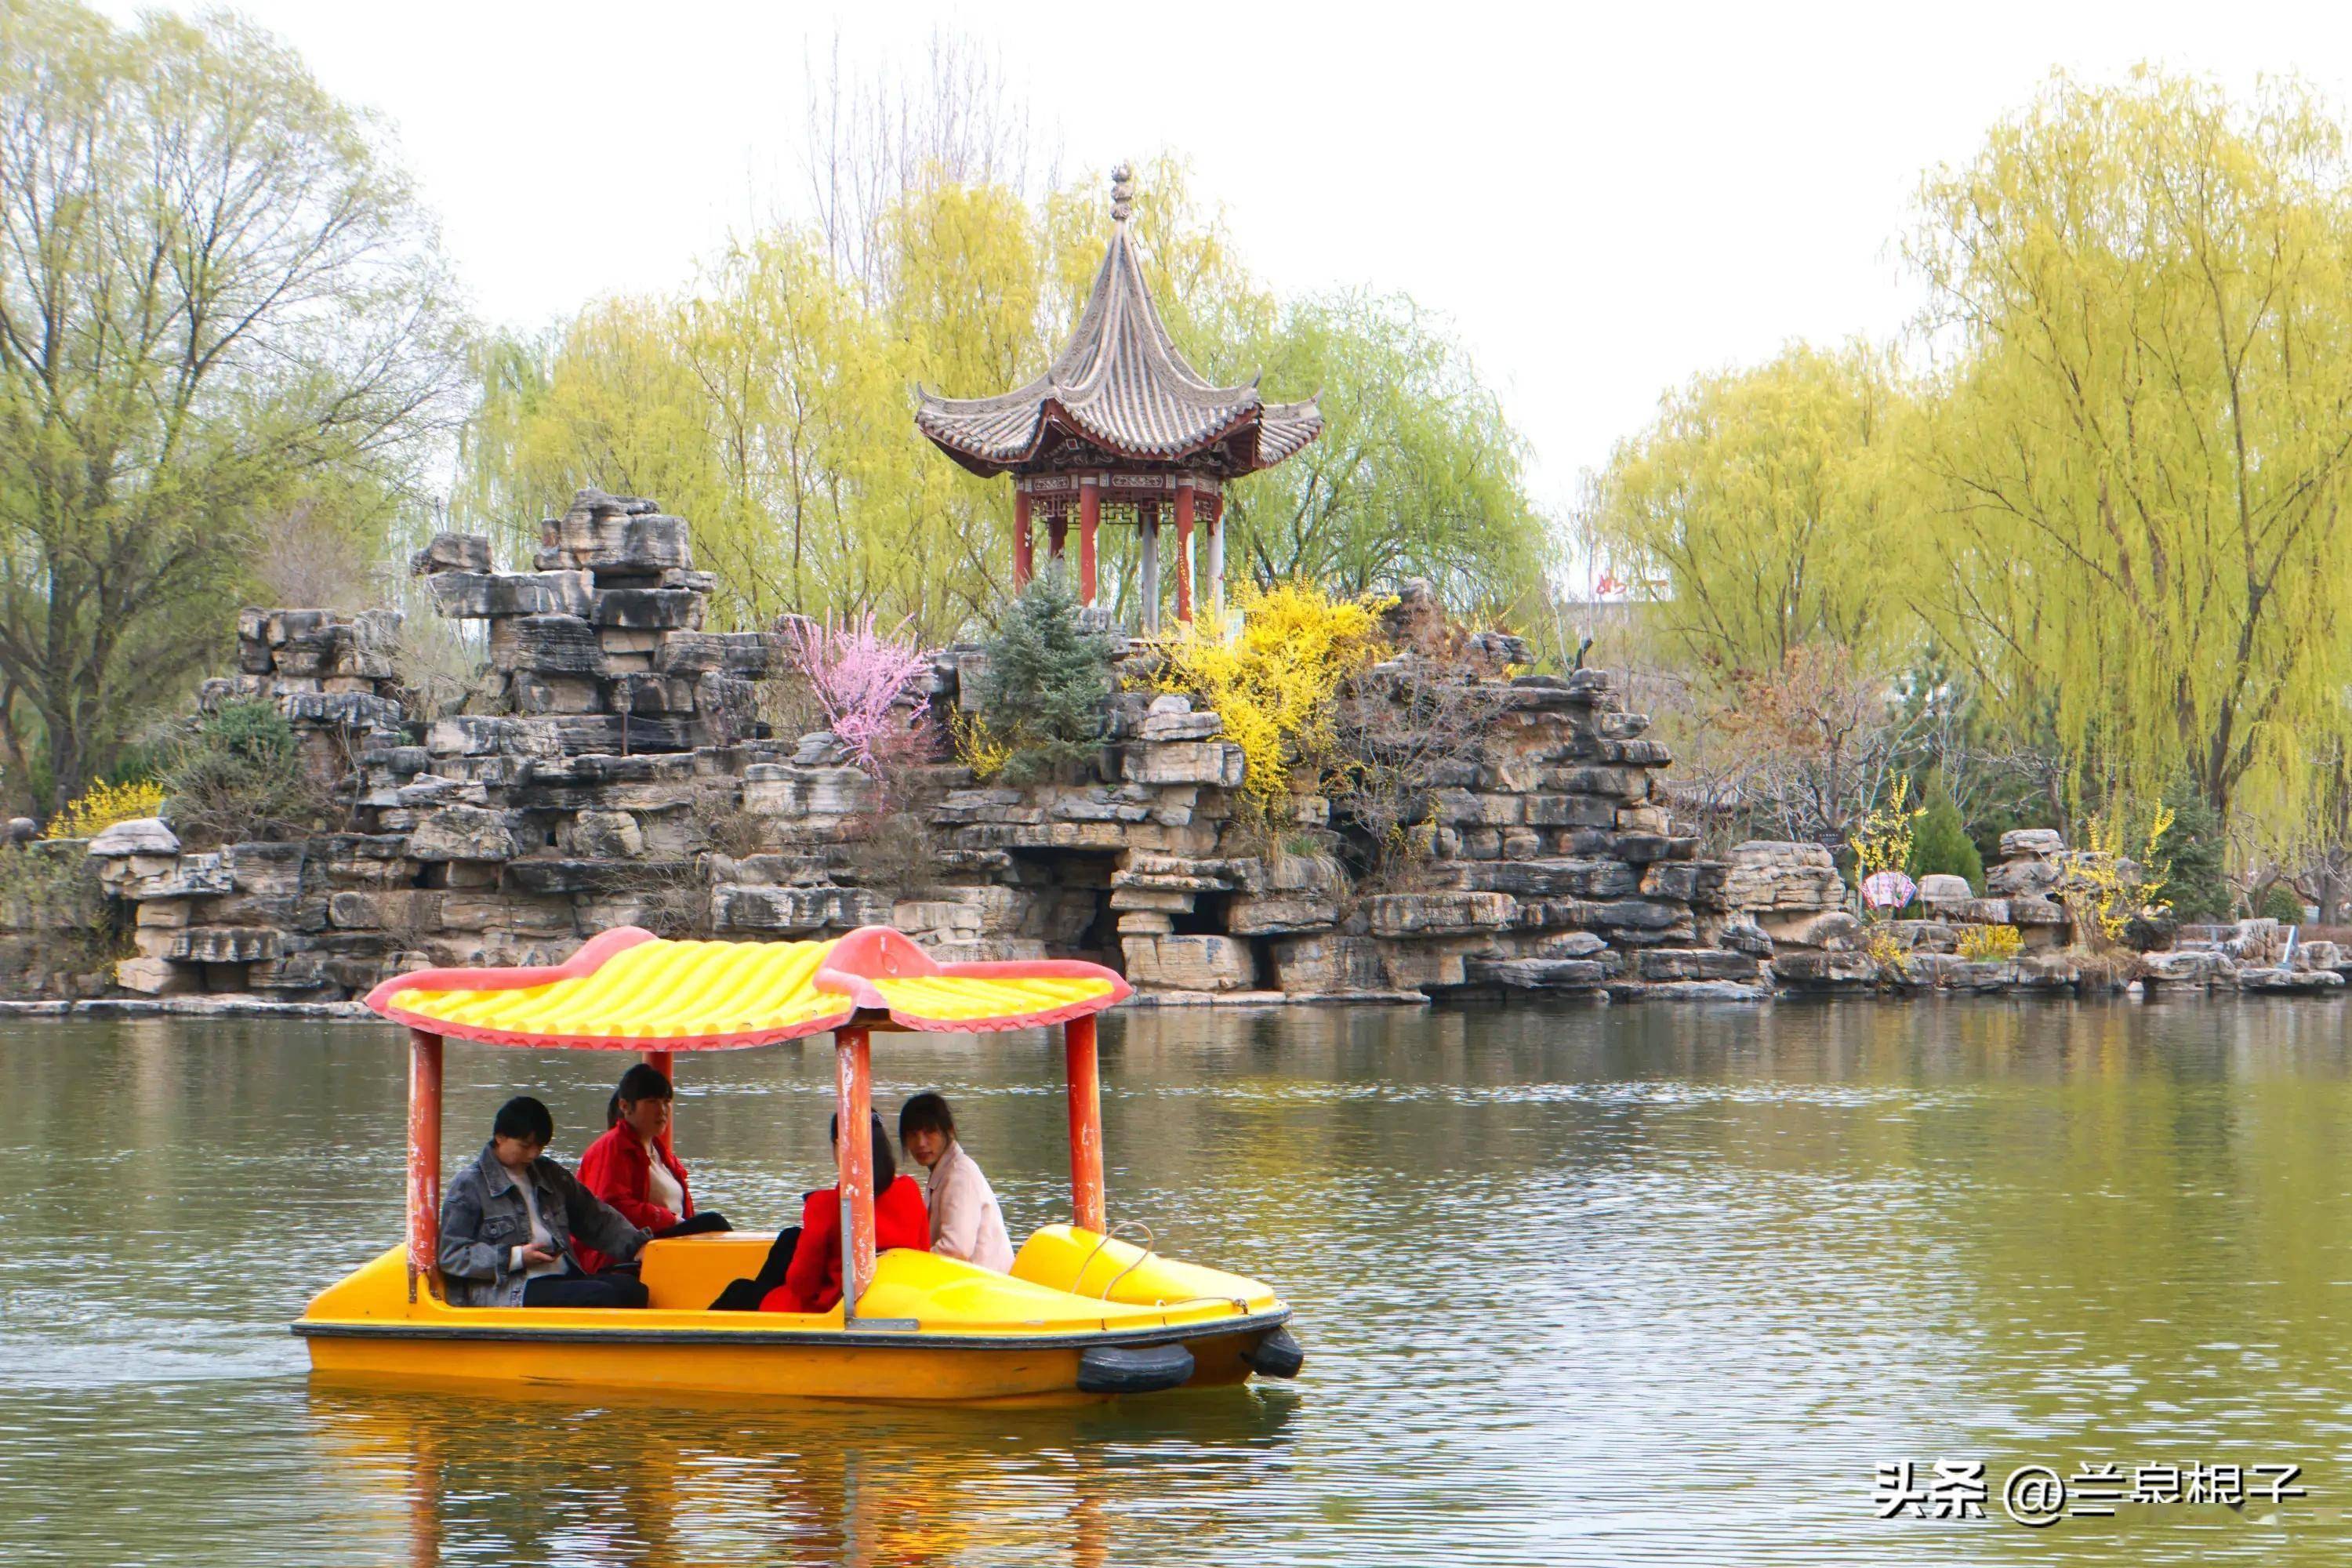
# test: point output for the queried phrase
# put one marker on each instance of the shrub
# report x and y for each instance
(1941, 848)
(1979, 944)
(1399, 735)
(862, 679)
(1887, 952)
(2196, 883)
(976, 746)
(1044, 696)
(102, 805)
(237, 774)
(1277, 682)
(2280, 902)
(2103, 891)
(50, 897)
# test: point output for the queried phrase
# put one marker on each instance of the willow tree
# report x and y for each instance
(219, 304)
(1418, 472)
(2145, 439)
(1775, 508)
(769, 402)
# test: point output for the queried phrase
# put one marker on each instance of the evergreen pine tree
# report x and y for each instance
(1048, 680)
(1940, 845)
(2194, 884)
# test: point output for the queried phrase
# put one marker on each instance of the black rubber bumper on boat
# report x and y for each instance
(1133, 1369)
(1275, 1355)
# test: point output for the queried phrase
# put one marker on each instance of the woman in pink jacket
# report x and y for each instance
(966, 1222)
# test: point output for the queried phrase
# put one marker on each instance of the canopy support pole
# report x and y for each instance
(660, 1061)
(854, 1152)
(1086, 1123)
(423, 1157)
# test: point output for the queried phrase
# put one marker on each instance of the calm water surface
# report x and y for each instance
(1577, 1285)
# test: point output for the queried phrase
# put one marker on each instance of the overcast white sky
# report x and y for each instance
(1604, 199)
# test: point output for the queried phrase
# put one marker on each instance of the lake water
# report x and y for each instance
(1577, 1284)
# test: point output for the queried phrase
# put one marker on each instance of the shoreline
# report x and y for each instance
(358, 1012)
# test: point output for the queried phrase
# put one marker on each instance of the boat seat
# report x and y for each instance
(685, 1273)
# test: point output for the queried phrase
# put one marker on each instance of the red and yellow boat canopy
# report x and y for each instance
(631, 990)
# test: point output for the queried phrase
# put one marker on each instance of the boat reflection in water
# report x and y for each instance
(539, 1476)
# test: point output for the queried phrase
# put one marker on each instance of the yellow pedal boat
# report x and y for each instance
(1082, 1313)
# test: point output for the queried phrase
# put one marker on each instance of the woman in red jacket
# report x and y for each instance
(802, 1273)
(631, 1166)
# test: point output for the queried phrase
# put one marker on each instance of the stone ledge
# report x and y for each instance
(1275, 998)
(224, 1006)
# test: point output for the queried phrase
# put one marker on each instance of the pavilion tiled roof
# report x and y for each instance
(1122, 385)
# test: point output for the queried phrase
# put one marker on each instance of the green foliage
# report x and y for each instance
(1418, 473)
(2282, 903)
(65, 930)
(2195, 885)
(1770, 507)
(2140, 450)
(767, 401)
(2110, 513)
(223, 307)
(1941, 846)
(238, 775)
(1048, 681)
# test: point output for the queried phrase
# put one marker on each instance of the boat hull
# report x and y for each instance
(953, 1334)
(773, 1366)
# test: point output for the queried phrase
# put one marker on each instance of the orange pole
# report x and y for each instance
(1089, 518)
(1085, 1123)
(660, 1062)
(424, 1156)
(854, 1152)
(1184, 553)
(1024, 562)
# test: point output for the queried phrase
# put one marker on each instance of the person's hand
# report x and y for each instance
(534, 1255)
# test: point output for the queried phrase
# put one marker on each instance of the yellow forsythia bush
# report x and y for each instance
(1979, 943)
(1273, 672)
(102, 805)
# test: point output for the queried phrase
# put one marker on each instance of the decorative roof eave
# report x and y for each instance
(1267, 433)
(1120, 384)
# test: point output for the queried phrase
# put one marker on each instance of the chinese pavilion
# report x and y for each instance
(1118, 429)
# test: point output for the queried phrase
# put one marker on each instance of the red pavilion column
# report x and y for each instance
(1089, 518)
(1023, 565)
(1057, 532)
(1185, 549)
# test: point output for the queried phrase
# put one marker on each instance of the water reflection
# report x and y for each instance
(1577, 1284)
(640, 1483)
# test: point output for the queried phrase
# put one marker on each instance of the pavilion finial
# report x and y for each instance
(1122, 193)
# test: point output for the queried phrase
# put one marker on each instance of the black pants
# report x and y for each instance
(745, 1295)
(703, 1224)
(573, 1289)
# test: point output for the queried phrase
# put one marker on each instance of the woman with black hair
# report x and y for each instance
(966, 1222)
(632, 1167)
(802, 1273)
(508, 1221)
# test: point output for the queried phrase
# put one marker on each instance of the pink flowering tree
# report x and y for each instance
(863, 679)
